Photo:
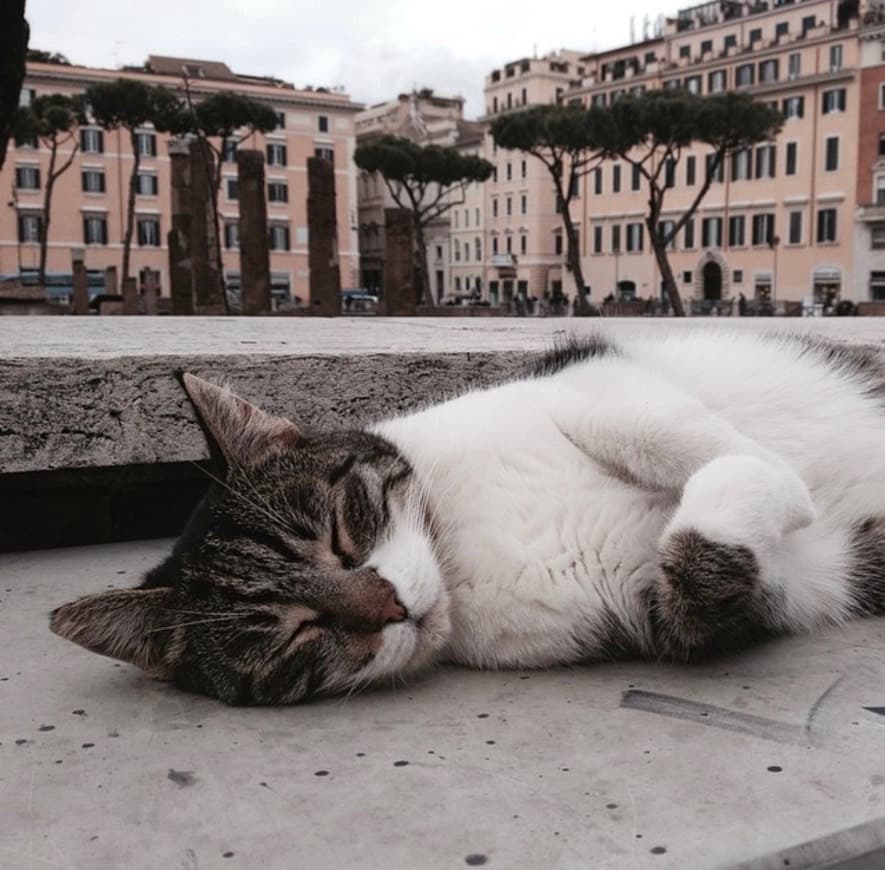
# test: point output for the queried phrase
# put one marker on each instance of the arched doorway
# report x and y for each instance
(712, 281)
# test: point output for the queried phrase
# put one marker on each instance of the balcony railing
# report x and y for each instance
(503, 261)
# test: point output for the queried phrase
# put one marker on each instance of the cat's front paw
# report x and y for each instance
(744, 500)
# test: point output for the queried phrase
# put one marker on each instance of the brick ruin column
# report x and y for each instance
(151, 291)
(178, 238)
(254, 240)
(130, 295)
(399, 264)
(81, 282)
(206, 278)
(322, 237)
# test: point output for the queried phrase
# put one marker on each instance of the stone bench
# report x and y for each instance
(98, 442)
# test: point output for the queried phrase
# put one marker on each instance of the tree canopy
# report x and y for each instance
(14, 34)
(421, 179)
(222, 114)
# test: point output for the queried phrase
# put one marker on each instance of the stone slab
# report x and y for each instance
(94, 392)
(772, 759)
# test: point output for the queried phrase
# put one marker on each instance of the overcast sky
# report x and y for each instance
(374, 48)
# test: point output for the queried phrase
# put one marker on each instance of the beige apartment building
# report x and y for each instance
(89, 204)
(467, 223)
(427, 119)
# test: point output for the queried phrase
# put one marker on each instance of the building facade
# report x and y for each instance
(89, 202)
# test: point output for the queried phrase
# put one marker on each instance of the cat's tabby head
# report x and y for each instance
(309, 567)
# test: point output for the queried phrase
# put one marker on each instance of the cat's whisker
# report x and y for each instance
(189, 624)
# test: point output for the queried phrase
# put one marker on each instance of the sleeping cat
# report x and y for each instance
(671, 498)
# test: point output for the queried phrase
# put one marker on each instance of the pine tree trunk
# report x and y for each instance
(669, 281)
(573, 258)
(47, 206)
(130, 205)
(425, 296)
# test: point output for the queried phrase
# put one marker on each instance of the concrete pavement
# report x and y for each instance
(609, 766)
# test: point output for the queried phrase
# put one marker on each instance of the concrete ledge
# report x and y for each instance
(99, 394)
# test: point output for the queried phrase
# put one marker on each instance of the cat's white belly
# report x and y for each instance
(539, 544)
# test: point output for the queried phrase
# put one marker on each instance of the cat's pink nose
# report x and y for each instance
(393, 611)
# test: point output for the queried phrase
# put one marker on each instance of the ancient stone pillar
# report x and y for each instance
(208, 298)
(322, 238)
(81, 282)
(399, 285)
(178, 238)
(130, 296)
(110, 281)
(254, 240)
(151, 291)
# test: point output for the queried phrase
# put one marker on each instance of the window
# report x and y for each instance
(711, 232)
(763, 229)
(742, 165)
(716, 81)
(146, 184)
(834, 101)
(690, 170)
(91, 141)
(687, 277)
(794, 107)
(477, 244)
(616, 238)
(665, 231)
(276, 154)
(636, 179)
(456, 250)
(597, 181)
(26, 97)
(323, 123)
(755, 35)
(523, 204)
(706, 46)
(877, 286)
(693, 84)
(146, 144)
(523, 169)
(730, 41)
(634, 237)
(670, 174)
(598, 100)
(831, 158)
(835, 58)
(792, 158)
(826, 225)
(880, 190)
(794, 65)
(233, 188)
(27, 177)
(809, 22)
(30, 228)
(231, 235)
(324, 153)
(616, 178)
(765, 161)
(575, 187)
(281, 120)
(745, 75)
(279, 237)
(525, 96)
(509, 205)
(685, 51)
(523, 244)
(277, 191)
(148, 230)
(717, 172)
(882, 144)
(597, 240)
(494, 208)
(92, 181)
(509, 172)
(229, 151)
(508, 244)
(877, 237)
(782, 28)
(495, 245)
(737, 231)
(466, 218)
(688, 234)
(95, 230)
(768, 71)
(795, 235)
(672, 84)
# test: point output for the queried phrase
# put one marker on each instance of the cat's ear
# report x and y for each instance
(243, 435)
(125, 624)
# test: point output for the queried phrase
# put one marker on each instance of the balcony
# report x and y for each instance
(504, 261)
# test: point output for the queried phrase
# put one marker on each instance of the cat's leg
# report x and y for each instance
(740, 559)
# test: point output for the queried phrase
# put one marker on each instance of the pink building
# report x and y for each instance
(89, 204)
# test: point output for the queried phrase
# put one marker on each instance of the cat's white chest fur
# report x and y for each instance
(538, 541)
